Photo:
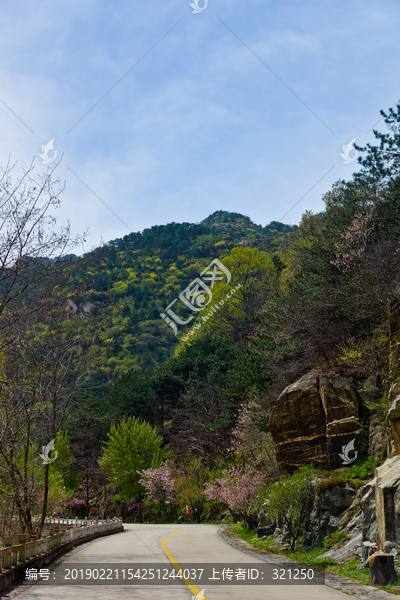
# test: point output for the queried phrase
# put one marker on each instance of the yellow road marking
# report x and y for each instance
(193, 588)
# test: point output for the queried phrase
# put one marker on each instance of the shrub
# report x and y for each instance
(364, 470)
(335, 538)
(333, 480)
(290, 500)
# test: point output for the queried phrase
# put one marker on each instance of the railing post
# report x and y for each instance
(22, 541)
(49, 539)
(7, 558)
(33, 539)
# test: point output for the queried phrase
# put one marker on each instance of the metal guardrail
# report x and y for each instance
(70, 529)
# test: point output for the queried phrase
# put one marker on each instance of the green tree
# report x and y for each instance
(381, 163)
(131, 395)
(133, 446)
(289, 500)
(209, 356)
(238, 303)
(189, 487)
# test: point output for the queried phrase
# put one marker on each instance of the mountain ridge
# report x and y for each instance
(137, 276)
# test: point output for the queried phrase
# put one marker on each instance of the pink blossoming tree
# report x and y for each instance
(354, 239)
(251, 444)
(242, 491)
(159, 486)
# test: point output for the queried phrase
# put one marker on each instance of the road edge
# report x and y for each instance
(333, 580)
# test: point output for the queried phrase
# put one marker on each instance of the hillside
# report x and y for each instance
(140, 274)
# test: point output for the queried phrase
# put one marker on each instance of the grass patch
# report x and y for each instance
(333, 480)
(302, 555)
(335, 538)
(349, 570)
(312, 557)
(56, 564)
(355, 475)
(364, 470)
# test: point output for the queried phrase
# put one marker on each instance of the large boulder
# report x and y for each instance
(314, 419)
(341, 409)
(298, 425)
(84, 309)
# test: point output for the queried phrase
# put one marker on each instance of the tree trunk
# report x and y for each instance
(105, 502)
(381, 568)
(140, 507)
(45, 497)
(87, 496)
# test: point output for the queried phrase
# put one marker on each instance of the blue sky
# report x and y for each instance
(200, 123)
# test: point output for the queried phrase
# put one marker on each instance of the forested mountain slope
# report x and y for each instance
(137, 277)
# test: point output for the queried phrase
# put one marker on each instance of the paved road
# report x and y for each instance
(149, 544)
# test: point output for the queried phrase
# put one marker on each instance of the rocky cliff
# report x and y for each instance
(314, 419)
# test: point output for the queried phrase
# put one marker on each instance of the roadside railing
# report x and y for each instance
(68, 530)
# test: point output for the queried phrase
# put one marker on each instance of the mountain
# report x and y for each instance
(138, 276)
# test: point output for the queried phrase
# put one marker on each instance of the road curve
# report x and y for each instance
(166, 544)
